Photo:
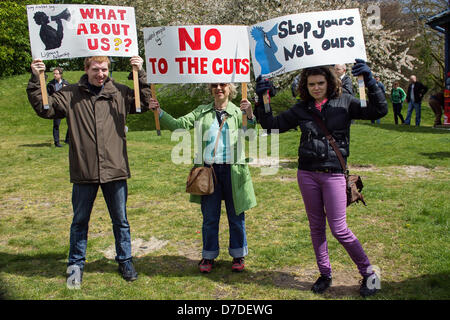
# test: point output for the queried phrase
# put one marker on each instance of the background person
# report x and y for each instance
(416, 91)
(55, 85)
(320, 175)
(234, 183)
(436, 103)
(381, 85)
(346, 81)
(397, 97)
(96, 109)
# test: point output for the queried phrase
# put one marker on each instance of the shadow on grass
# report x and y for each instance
(436, 155)
(36, 145)
(405, 128)
(53, 265)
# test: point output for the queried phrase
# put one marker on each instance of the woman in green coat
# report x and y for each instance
(397, 97)
(234, 183)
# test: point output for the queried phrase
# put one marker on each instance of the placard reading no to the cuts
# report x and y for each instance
(197, 54)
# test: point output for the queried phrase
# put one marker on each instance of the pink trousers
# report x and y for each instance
(325, 199)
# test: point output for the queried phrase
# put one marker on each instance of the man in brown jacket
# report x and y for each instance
(96, 109)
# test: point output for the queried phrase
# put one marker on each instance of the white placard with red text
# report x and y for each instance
(67, 31)
(197, 54)
(305, 40)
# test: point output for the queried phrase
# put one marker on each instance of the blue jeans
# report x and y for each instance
(417, 107)
(211, 207)
(83, 196)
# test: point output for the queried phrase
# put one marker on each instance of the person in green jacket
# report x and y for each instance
(397, 97)
(234, 183)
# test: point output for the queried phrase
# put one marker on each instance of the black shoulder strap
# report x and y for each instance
(331, 141)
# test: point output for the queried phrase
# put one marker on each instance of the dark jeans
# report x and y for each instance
(211, 208)
(56, 124)
(398, 112)
(414, 106)
(83, 196)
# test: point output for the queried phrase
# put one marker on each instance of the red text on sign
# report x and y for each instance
(194, 65)
(212, 39)
(93, 44)
(98, 14)
(161, 64)
(230, 66)
(104, 28)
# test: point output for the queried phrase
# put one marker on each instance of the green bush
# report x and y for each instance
(15, 55)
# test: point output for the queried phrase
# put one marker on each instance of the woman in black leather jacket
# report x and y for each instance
(320, 176)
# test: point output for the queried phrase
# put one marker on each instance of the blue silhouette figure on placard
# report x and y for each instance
(265, 49)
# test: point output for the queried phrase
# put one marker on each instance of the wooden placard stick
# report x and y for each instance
(155, 112)
(43, 89)
(362, 91)
(137, 97)
(244, 97)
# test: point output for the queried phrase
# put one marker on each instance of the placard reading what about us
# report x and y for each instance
(69, 31)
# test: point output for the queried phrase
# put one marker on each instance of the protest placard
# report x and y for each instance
(304, 40)
(62, 31)
(70, 31)
(197, 54)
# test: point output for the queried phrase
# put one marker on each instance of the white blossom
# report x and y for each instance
(387, 53)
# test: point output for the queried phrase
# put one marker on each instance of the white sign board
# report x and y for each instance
(67, 31)
(197, 54)
(305, 40)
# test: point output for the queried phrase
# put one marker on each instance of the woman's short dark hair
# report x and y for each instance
(334, 84)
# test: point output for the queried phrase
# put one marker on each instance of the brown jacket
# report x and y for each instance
(97, 148)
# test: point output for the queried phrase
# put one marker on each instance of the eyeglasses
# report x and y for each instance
(215, 85)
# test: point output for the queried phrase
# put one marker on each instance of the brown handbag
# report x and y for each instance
(354, 182)
(200, 180)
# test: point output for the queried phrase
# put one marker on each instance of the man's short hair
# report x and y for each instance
(59, 69)
(99, 59)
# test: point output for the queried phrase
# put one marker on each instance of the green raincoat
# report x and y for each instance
(243, 193)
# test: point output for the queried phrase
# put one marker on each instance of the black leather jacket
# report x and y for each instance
(315, 152)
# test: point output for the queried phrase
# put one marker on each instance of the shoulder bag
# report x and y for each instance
(200, 180)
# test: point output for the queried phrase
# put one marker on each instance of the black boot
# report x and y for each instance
(322, 284)
(370, 285)
(126, 269)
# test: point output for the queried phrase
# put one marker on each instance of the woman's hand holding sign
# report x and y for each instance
(246, 107)
(362, 71)
(154, 105)
(361, 68)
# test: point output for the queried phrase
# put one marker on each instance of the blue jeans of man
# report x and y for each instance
(417, 107)
(211, 208)
(83, 196)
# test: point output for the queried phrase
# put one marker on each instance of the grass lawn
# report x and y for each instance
(404, 228)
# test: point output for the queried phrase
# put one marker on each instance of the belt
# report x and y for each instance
(216, 164)
(328, 170)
